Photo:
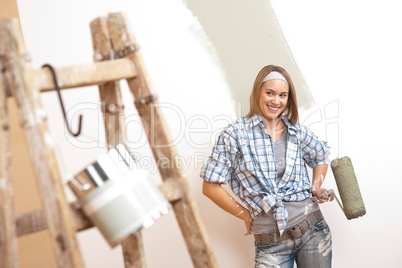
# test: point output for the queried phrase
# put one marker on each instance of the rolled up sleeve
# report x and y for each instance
(315, 151)
(219, 165)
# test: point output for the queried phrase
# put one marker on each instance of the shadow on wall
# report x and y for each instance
(246, 36)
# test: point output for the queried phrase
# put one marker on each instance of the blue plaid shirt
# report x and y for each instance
(244, 157)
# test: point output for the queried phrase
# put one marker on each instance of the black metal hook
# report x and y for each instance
(56, 86)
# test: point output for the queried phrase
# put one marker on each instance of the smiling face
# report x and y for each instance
(273, 98)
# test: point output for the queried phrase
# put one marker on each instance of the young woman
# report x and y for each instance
(263, 157)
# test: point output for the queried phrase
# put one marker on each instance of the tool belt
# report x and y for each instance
(291, 233)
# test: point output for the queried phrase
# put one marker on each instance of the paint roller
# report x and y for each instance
(348, 188)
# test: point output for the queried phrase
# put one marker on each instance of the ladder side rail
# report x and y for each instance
(8, 234)
(23, 88)
(113, 114)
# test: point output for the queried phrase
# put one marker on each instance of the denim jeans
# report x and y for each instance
(312, 250)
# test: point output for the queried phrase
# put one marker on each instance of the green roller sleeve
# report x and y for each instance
(348, 187)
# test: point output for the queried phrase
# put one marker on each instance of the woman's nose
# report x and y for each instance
(276, 100)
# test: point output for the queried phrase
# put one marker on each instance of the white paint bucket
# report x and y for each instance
(117, 196)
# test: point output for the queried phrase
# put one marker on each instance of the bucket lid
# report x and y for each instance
(111, 165)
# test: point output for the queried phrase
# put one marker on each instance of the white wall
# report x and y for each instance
(246, 36)
(349, 55)
(184, 76)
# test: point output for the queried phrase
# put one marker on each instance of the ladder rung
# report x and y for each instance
(86, 74)
(35, 221)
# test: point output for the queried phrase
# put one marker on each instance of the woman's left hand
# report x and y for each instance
(321, 195)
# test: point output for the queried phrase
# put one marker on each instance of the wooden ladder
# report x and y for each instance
(117, 57)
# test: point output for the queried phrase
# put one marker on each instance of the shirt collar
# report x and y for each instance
(256, 119)
(292, 128)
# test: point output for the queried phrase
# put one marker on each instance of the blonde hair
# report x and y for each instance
(291, 112)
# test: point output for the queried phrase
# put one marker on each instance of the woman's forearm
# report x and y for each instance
(225, 201)
(320, 194)
(222, 198)
(319, 173)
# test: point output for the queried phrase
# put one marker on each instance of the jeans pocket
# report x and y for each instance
(264, 244)
(262, 250)
(321, 224)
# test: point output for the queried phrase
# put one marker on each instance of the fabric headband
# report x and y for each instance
(275, 75)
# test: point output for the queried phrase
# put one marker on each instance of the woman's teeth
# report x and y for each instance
(272, 108)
